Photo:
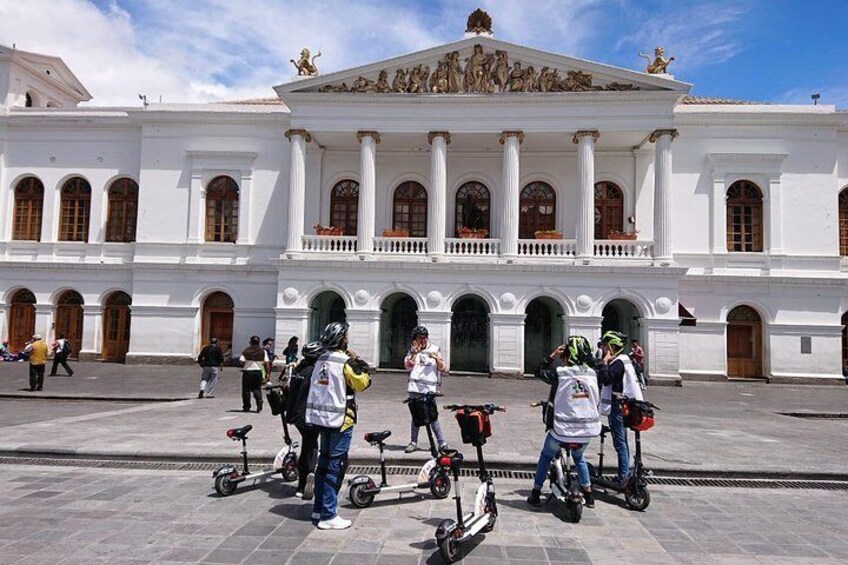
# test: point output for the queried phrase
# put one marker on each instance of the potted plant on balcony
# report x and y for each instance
(471, 233)
(548, 234)
(396, 232)
(620, 235)
(328, 230)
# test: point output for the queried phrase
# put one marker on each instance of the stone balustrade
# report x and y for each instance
(547, 247)
(329, 243)
(627, 249)
(475, 247)
(400, 245)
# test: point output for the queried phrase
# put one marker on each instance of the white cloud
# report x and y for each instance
(834, 95)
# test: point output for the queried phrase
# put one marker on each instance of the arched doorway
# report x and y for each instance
(326, 307)
(470, 335)
(542, 330)
(620, 315)
(21, 319)
(116, 327)
(69, 319)
(217, 321)
(744, 343)
(399, 316)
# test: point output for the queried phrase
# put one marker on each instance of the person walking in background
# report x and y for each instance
(61, 351)
(37, 351)
(290, 352)
(255, 364)
(211, 359)
(637, 355)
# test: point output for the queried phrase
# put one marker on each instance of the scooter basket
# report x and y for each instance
(475, 426)
(423, 410)
(276, 400)
(638, 415)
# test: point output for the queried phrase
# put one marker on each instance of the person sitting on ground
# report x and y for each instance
(255, 365)
(425, 365)
(295, 414)
(573, 415)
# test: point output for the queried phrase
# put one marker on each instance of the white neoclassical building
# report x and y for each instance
(503, 196)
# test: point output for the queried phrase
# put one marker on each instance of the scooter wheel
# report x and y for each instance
(440, 484)
(490, 525)
(575, 511)
(359, 497)
(448, 547)
(637, 497)
(289, 472)
(224, 486)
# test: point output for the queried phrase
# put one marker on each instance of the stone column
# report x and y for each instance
(365, 333)
(511, 140)
(506, 349)
(368, 141)
(245, 194)
(298, 138)
(437, 208)
(92, 332)
(663, 252)
(585, 141)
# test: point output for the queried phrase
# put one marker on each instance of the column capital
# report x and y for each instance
(511, 133)
(656, 134)
(434, 134)
(368, 133)
(301, 132)
(595, 134)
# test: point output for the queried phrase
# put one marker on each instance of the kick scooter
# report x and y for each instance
(635, 489)
(363, 489)
(451, 535)
(563, 480)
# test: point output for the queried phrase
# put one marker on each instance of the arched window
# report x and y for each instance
(222, 207)
(843, 222)
(744, 217)
(123, 210)
(472, 206)
(538, 210)
(344, 206)
(410, 209)
(609, 209)
(75, 210)
(29, 202)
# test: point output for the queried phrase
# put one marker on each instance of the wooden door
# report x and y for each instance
(69, 322)
(221, 326)
(744, 349)
(116, 333)
(21, 325)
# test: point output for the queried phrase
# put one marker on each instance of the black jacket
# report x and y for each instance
(211, 356)
(298, 392)
(546, 371)
(612, 374)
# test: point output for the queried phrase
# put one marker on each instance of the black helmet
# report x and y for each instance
(334, 335)
(578, 351)
(419, 331)
(312, 350)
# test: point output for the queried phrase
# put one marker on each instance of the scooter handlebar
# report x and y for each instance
(429, 394)
(490, 408)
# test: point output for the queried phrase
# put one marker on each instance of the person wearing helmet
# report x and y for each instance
(331, 406)
(573, 414)
(295, 414)
(619, 377)
(425, 365)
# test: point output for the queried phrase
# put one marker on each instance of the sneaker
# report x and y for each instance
(444, 447)
(411, 447)
(535, 498)
(588, 499)
(200, 394)
(309, 488)
(298, 494)
(336, 523)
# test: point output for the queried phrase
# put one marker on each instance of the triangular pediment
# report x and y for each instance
(481, 65)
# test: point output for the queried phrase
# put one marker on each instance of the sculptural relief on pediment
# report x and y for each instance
(479, 73)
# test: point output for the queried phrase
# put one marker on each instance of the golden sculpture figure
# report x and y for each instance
(501, 70)
(454, 72)
(660, 64)
(305, 66)
(479, 22)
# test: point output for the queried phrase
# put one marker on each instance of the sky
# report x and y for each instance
(777, 51)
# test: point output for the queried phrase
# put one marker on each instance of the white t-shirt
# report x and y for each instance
(424, 375)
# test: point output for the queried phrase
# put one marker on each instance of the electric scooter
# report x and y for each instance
(635, 489)
(563, 479)
(363, 489)
(451, 535)
(228, 477)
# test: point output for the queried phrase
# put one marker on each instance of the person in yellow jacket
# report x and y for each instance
(38, 353)
(331, 408)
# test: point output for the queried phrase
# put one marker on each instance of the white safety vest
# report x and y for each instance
(326, 403)
(577, 418)
(630, 385)
(424, 376)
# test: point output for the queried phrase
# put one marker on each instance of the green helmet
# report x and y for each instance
(578, 350)
(615, 341)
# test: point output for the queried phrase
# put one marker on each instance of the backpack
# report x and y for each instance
(66, 348)
(201, 357)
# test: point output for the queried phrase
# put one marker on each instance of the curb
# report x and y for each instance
(89, 398)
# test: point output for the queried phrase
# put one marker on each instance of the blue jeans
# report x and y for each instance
(619, 440)
(334, 448)
(549, 451)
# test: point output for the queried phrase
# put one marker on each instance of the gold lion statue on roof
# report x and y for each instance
(659, 66)
(305, 66)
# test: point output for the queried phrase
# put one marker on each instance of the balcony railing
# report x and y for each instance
(329, 243)
(400, 245)
(628, 249)
(472, 247)
(547, 247)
